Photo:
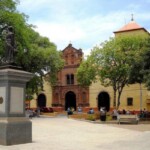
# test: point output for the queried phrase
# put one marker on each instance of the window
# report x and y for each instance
(129, 101)
(84, 96)
(70, 79)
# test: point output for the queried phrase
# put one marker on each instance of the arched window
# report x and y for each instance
(70, 79)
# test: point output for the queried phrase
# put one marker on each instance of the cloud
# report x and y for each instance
(85, 24)
(85, 33)
(60, 33)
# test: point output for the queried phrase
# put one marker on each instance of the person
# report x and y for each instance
(115, 114)
(38, 112)
(124, 111)
(145, 113)
(79, 109)
(30, 113)
(91, 111)
(102, 114)
(128, 112)
(69, 111)
(141, 115)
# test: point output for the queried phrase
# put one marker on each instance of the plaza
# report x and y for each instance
(61, 133)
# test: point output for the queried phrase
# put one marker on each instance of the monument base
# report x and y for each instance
(15, 130)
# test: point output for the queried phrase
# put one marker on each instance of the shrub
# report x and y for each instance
(90, 117)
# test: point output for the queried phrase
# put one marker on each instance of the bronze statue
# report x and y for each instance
(8, 35)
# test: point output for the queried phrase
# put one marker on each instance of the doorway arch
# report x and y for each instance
(70, 100)
(41, 101)
(104, 100)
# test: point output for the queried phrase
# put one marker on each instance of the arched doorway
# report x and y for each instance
(104, 100)
(70, 100)
(41, 101)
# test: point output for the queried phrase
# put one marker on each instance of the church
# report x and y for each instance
(68, 93)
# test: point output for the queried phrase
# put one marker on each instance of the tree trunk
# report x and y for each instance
(118, 100)
(114, 102)
(119, 95)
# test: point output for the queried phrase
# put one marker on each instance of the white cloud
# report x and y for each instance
(63, 21)
(60, 33)
(89, 31)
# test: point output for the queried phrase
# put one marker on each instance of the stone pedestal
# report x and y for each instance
(14, 127)
(15, 130)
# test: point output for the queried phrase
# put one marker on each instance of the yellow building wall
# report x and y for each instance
(140, 32)
(148, 100)
(95, 89)
(48, 94)
(33, 103)
(139, 97)
(131, 91)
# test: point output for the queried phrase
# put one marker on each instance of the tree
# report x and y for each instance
(35, 53)
(112, 62)
(146, 64)
(86, 73)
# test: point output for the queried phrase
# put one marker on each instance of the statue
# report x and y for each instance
(8, 36)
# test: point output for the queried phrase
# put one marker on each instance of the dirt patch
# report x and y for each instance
(138, 127)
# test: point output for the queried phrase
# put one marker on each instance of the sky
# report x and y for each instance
(83, 23)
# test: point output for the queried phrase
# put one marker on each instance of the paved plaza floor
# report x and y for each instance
(61, 133)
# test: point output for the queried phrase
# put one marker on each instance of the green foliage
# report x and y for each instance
(146, 64)
(140, 70)
(91, 117)
(35, 53)
(112, 63)
(116, 59)
(86, 73)
(8, 5)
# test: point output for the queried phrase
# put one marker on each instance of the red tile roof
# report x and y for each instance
(132, 25)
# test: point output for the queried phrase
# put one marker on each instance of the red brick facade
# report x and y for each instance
(67, 92)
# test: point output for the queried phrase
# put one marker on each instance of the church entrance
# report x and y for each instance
(41, 101)
(70, 100)
(104, 100)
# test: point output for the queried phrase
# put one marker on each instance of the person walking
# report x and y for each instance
(103, 114)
